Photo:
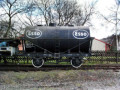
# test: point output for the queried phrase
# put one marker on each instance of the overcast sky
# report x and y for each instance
(101, 27)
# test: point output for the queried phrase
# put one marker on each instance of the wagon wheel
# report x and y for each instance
(37, 62)
(76, 63)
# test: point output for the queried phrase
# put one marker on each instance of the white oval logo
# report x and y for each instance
(80, 34)
(33, 34)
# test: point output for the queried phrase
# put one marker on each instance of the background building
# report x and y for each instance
(99, 45)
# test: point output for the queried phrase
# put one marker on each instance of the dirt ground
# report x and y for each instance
(61, 80)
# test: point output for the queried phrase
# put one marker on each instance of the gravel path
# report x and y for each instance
(61, 80)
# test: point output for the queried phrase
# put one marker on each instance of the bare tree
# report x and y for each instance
(82, 17)
(59, 11)
(114, 18)
(45, 7)
(64, 12)
(11, 8)
(84, 13)
(30, 14)
(3, 28)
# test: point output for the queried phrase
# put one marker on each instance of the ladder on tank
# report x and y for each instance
(57, 46)
(57, 51)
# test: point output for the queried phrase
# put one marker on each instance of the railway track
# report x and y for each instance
(57, 67)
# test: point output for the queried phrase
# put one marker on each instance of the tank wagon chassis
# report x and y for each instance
(38, 59)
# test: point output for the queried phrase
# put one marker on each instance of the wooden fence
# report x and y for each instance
(96, 56)
(110, 56)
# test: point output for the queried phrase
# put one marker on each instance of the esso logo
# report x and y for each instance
(80, 34)
(33, 34)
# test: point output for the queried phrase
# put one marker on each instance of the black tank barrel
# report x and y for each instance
(59, 38)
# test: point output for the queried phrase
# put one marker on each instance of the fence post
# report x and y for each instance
(117, 57)
(27, 60)
(102, 57)
(5, 61)
(0, 58)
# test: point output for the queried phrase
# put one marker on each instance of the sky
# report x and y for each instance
(100, 28)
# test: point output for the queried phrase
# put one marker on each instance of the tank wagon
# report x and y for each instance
(44, 43)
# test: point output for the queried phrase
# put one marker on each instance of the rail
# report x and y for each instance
(57, 67)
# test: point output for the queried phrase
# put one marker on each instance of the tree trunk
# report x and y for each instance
(8, 29)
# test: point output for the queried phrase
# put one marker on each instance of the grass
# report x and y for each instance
(21, 76)
(98, 62)
(93, 60)
(56, 76)
(53, 76)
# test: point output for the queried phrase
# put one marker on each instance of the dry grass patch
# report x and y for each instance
(55, 76)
